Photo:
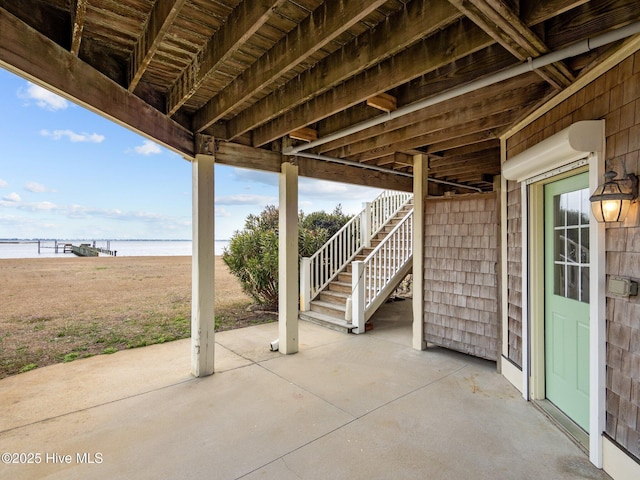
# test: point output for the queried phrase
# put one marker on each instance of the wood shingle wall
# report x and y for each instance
(461, 288)
(514, 269)
(615, 97)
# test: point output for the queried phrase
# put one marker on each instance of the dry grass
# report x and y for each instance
(60, 309)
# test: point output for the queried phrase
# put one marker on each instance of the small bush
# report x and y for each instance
(252, 254)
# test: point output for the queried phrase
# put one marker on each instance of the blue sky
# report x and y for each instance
(68, 173)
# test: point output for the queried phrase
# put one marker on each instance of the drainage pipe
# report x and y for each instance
(365, 166)
(578, 48)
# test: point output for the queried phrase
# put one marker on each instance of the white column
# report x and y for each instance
(420, 190)
(357, 296)
(288, 260)
(202, 265)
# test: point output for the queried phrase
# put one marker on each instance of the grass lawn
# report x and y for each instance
(64, 309)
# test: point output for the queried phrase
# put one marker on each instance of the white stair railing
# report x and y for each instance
(323, 266)
(317, 271)
(374, 278)
(385, 206)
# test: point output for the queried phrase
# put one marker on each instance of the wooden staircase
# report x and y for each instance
(329, 307)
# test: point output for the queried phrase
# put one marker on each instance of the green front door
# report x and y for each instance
(566, 220)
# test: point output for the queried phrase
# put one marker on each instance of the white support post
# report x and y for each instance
(365, 225)
(420, 191)
(288, 260)
(202, 266)
(305, 284)
(357, 296)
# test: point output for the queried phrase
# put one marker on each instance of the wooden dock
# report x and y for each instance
(86, 250)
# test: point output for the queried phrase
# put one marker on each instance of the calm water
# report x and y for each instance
(124, 248)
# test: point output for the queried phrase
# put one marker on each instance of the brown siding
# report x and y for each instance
(615, 96)
(460, 274)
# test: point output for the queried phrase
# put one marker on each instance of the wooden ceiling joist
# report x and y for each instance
(79, 12)
(392, 36)
(161, 19)
(328, 22)
(28, 53)
(462, 38)
(502, 24)
(249, 72)
(243, 22)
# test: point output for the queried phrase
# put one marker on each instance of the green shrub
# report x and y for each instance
(252, 254)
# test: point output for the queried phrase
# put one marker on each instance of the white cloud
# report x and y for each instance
(255, 176)
(222, 212)
(36, 187)
(246, 199)
(3, 183)
(148, 148)
(73, 136)
(43, 98)
(13, 197)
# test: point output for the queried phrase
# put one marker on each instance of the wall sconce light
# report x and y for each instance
(610, 202)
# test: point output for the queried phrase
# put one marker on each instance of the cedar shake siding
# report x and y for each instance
(460, 298)
(614, 97)
(514, 269)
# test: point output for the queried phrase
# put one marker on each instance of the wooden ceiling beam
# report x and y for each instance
(353, 175)
(463, 110)
(242, 23)
(471, 148)
(533, 13)
(448, 45)
(78, 14)
(463, 161)
(505, 91)
(467, 69)
(242, 156)
(327, 22)
(588, 20)
(502, 24)
(461, 141)
(31, 55)
(359, 57)
(162, 16)
(483, 125)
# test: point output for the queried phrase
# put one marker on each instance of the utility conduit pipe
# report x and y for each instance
(578, 48)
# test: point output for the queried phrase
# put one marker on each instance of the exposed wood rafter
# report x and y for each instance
(503, 25)
(332, 19)
(161, 18)
(363, 53)
(243, 22)
(79, 12)
(26, 52)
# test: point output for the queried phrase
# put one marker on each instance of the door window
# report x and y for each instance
(571, 245)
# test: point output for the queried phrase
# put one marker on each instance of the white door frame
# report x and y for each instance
(574, 150)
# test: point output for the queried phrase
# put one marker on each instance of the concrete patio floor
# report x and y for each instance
(344, 407)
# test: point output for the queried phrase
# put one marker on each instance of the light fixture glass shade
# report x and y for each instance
(610, 202)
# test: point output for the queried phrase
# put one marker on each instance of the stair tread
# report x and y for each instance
(326, 318)
(335, 293)
(333, 306)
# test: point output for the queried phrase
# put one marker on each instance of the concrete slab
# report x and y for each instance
(361, 373)
(345, 406)
(393, 321)
(222, 426)
(468, 424)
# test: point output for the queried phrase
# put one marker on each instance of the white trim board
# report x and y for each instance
(580, 144)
